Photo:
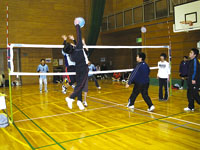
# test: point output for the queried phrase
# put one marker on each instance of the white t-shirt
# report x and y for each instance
(163, 69)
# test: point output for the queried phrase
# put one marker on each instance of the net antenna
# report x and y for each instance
(186, 25)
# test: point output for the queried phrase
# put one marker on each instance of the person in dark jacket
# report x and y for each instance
(193, 80)
(80, 58)
(183, 70)
(140, 77)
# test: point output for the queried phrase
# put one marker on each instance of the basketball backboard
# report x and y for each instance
(187, 12)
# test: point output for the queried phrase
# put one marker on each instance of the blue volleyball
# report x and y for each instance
(81, 21)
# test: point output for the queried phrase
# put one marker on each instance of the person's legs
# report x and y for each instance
(165, 82)
(40, 82)
(71, 78)
(160, 89)
(196, 95)
(81, 77)
(135, 92)
(85, 90)
(190, 97)
(95, 80)
(45, 84)
(182, 81)
(145, 95)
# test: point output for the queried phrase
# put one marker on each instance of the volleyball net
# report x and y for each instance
(36, 47)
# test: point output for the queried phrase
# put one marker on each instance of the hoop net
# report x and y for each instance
(186, 25)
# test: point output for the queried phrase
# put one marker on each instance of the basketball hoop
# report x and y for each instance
(186, 25)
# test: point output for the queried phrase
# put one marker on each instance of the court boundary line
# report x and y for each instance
(41, 128)
(66, 113)
(121, 128)
(194, 123)
(31, 146)
(165, 121)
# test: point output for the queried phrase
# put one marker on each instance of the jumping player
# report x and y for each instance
(80, 58)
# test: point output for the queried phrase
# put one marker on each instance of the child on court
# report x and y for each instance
(140, 78)
(163, 76)
(43, 68)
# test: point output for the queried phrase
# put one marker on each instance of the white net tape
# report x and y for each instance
(72, 73)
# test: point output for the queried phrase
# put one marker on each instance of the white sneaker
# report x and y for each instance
(181, 88)
(85, 103)
(64, 89)
(131, 107)
(80, 105)
(188, 109)
(69, 102)
(151, 108)
(99, 88)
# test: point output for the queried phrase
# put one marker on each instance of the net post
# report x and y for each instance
(10, 96)
(170, 65)
(9, 64)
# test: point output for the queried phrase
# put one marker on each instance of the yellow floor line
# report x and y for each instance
(4, 130)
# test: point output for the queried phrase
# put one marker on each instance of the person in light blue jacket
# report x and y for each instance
(91, 68)
(43, 68)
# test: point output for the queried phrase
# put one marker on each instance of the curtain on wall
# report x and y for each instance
(96, 14)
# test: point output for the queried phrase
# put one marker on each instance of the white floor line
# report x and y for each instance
(194, 123)
(68, 113)
(116, 104)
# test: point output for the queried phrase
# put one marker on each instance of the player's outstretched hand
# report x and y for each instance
(127, 86)
(71, 37)
(64, 37)
(76, 22)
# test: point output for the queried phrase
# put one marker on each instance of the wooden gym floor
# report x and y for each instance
(43, 121)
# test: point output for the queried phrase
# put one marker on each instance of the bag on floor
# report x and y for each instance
(176, 86)
(3, 121)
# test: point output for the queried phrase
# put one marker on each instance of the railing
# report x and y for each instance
(148, 11)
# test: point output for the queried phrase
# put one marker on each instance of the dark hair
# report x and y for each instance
(196, 51)
(142, 55)
(163, 55)
(42, 59)
(185, 57)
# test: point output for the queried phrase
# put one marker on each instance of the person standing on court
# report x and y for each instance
(140, 78)
(183, 70)
(91, 68)
(43, 68)
(193, 80)
(81, 60)
(163, 76)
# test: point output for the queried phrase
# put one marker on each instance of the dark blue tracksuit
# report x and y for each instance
(183, 70)
(193, 74)
(80, 58)
(140, 77)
